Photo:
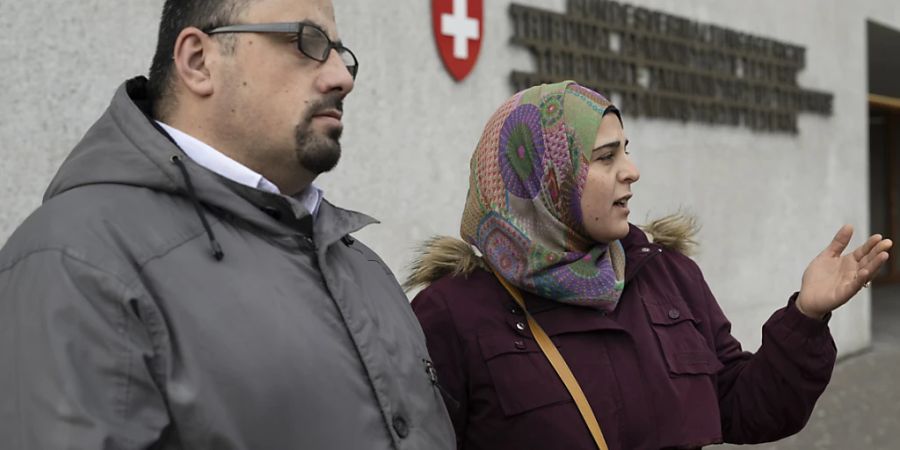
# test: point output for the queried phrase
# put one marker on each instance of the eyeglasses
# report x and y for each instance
(311, 40)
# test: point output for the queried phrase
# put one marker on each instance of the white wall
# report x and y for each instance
(768, 203)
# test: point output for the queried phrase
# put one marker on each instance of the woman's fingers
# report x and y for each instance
(865, 250)
(840, 241)
(874, 263)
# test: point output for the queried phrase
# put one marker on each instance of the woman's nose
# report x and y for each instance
(630, 173)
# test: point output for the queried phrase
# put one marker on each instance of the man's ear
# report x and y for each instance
(192, 50)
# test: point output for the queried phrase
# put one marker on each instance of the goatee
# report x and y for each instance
(319, 152)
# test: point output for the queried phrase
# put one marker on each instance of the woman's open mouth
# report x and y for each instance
(623, 202)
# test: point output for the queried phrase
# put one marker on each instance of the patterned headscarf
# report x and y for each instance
(523, 209)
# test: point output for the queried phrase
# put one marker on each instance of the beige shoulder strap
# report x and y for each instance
(562, 369)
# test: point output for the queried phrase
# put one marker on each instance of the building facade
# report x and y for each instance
(768, 199)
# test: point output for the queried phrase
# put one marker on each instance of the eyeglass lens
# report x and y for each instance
(315, 44)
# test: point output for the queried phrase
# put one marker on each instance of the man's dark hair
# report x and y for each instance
(176, 16)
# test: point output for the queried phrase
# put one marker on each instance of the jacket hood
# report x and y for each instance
(126, 147)
(123, 147)
(443, 256)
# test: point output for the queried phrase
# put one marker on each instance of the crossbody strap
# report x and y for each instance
(560, 366)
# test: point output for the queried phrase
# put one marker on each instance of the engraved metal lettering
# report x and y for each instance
(664, 66)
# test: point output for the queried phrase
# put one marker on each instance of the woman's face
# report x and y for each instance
(604, 200)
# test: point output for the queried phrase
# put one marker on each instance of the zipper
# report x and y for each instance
(432, 375)
(640, 264)
(305, 242)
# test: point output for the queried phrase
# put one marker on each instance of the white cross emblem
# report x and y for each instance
(460, 27)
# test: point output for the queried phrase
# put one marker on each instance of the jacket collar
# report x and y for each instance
(127, 147)
(333, 223)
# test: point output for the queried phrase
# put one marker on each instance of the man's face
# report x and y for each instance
(279, 110)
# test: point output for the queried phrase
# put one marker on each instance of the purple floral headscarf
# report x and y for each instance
(523, 209)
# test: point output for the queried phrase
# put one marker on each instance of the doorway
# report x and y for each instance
(884, 173)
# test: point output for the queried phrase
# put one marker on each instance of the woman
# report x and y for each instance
(635, 321)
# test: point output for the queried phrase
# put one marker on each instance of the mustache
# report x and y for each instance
(329, 102)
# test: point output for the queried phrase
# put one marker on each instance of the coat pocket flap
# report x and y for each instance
(522, 377)
(669, 314)
(683, 347)
(496, 345)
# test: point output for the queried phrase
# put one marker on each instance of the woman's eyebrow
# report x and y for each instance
(613, 144)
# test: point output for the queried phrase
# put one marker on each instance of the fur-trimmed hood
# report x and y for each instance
(441, 256)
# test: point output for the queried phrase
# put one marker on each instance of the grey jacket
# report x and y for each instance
(120, 328)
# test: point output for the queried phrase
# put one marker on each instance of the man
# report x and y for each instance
(184, 285)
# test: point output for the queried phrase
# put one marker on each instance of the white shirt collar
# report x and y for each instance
(216, 161)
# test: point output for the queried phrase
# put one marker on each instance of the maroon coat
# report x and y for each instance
(661, 371)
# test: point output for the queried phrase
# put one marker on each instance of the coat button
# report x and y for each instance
(515, 310)
(519, 345)
(674, 314)
(401, 427)
(645, 249)
(520, 326)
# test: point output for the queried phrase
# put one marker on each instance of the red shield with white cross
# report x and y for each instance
(458, 28)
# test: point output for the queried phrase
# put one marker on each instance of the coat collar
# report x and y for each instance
(638, 251)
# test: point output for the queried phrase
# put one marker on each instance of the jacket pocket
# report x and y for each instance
(521, 375)
(684, 349)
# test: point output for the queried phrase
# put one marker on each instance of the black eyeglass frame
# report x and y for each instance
(292, 28)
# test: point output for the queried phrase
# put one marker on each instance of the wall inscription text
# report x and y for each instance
(659, 65)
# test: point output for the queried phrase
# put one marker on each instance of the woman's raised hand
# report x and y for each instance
(831, 279)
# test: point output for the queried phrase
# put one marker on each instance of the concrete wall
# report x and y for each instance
(768, 203)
